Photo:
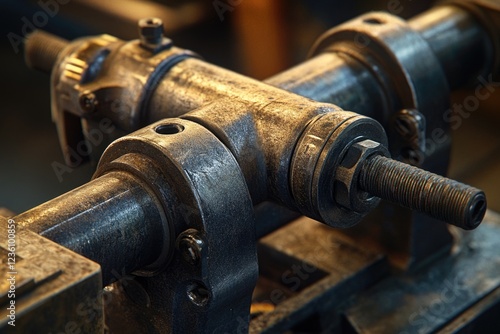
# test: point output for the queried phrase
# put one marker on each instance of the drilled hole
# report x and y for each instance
(373, 21)
(169, 129)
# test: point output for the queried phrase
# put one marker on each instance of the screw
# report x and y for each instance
(198, 293)
(414, 188)
(151, 32)
(190, 246)
(88, 102)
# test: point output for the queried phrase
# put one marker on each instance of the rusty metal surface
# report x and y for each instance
(316, 269)
(479, 318)
(205, 199)
(110, 220)
(376, 60)
(240, 142)
(48, 279)
(425, 301)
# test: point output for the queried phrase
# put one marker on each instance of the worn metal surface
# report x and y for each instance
(425, 301)
(372, 72)
(479, 318)
(452, 33)
(392, 180)
(208, 200)
(166, 182)
(487, 13)
(114, 220)
(458, 294)
(316, 268)
(388, 47)
(44, 279)
(100, 66)
(238, 133)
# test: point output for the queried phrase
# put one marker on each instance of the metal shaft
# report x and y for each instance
(113, 220)
(460, 43)
(414, 188)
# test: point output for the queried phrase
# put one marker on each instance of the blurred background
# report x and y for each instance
(255, 37)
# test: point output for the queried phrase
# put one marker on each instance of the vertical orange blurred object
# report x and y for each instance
(262, 32)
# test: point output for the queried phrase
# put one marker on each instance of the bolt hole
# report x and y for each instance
(153, 22)
(169, 129)
(373, 21)
(198, 293)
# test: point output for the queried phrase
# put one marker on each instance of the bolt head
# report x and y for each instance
(198, 294)
(151, 31)
(190, 247)
(88, 102)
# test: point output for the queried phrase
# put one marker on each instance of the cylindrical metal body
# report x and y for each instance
(330, 77)
(459, 41)
(114, 220)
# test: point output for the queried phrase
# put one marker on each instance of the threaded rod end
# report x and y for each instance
(41, 50)
(439, 197)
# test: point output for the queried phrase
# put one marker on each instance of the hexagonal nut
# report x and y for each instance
(346, 189)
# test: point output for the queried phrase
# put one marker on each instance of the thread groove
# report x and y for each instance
(448, 200)
(41, 50)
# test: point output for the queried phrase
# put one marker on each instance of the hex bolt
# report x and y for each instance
(151, 32)
(448, 200)
(190, 246)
